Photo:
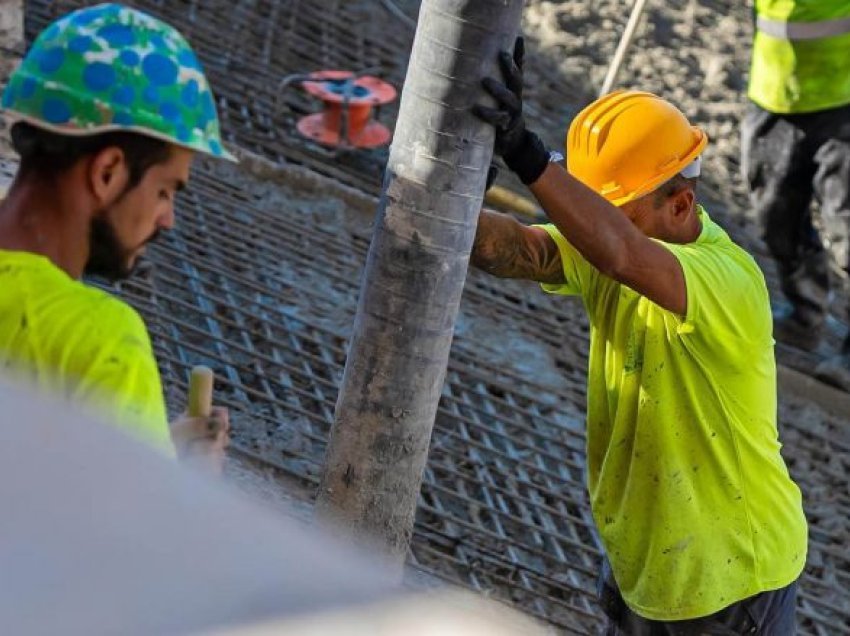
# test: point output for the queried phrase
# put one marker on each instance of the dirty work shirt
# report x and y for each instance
(691, 497)
(81, 343)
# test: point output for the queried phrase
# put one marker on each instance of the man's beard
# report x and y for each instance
(108, 258)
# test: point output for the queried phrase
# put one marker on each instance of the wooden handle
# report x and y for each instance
(200, 391)
(504, 198)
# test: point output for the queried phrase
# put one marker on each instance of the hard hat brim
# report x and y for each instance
(71, 131)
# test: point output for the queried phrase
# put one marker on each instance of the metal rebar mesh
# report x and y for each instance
(260, 282)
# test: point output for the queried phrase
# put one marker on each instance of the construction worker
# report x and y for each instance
(795, 149)
(702, 525)
(109, 107)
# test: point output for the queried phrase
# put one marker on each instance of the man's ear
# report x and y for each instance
(683, 203)
(108, 175)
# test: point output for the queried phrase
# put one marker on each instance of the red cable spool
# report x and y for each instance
(348, 101)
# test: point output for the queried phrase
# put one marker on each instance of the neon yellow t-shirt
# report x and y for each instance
(690, 495)
(80, 343)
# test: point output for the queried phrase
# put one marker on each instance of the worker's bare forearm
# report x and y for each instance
(505, 248)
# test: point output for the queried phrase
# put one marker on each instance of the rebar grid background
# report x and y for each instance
(260, 282)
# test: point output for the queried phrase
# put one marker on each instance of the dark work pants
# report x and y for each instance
(767, 614)
(789, 161)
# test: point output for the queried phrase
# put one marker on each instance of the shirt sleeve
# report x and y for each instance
(578, 273)
(727, 299)
(118, 375)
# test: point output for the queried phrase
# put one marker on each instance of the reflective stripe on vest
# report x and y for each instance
(803, 30)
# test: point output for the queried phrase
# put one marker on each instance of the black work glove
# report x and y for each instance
(522, 151)
(492, 173)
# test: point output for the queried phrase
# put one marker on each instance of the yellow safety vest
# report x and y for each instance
(801, 55)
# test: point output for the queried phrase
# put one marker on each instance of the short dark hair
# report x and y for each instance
(45, 154)
(672, 186)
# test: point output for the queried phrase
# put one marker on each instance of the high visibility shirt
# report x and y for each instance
(80, 343)
(801, 55)
(692, 499)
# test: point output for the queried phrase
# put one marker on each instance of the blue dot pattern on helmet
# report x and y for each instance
(170, 111)
(28, 87)
(191, 94)
(98, 76)
(81, 44)
(51, 60)
(56, 111)
(129, 57)
(117, 35)
(151, 95)
(124, 96)
(208, 106)
(160, 43)
(159, 69)
(188, 59)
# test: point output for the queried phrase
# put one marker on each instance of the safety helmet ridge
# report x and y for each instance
(627, 143)
(109, 67)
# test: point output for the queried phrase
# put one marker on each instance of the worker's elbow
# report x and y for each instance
(616, 266)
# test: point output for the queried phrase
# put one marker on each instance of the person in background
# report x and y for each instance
(795, 147)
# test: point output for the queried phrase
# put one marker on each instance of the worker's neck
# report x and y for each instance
(44, 219)
(689, 231)
(686, 231)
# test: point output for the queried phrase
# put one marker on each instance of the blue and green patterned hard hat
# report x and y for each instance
(107, 68)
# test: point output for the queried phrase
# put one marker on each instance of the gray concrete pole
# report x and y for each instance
(416, 267)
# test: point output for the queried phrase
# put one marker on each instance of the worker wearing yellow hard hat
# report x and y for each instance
(795, 156)
(701, 523)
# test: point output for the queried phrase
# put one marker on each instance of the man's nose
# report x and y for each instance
(167, 219)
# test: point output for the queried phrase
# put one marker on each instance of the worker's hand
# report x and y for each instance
(201, 441)
(521, 149)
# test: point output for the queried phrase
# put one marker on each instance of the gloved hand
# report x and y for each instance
(522, 151)
(492, 173)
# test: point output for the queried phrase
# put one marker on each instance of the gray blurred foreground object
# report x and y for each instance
(100, 535)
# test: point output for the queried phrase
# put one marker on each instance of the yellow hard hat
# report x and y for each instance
(627, 143)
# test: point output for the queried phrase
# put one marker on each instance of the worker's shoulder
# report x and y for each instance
(35, 283)
(742, 258)
(718, 240)
(89, 313)
(107, 311)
